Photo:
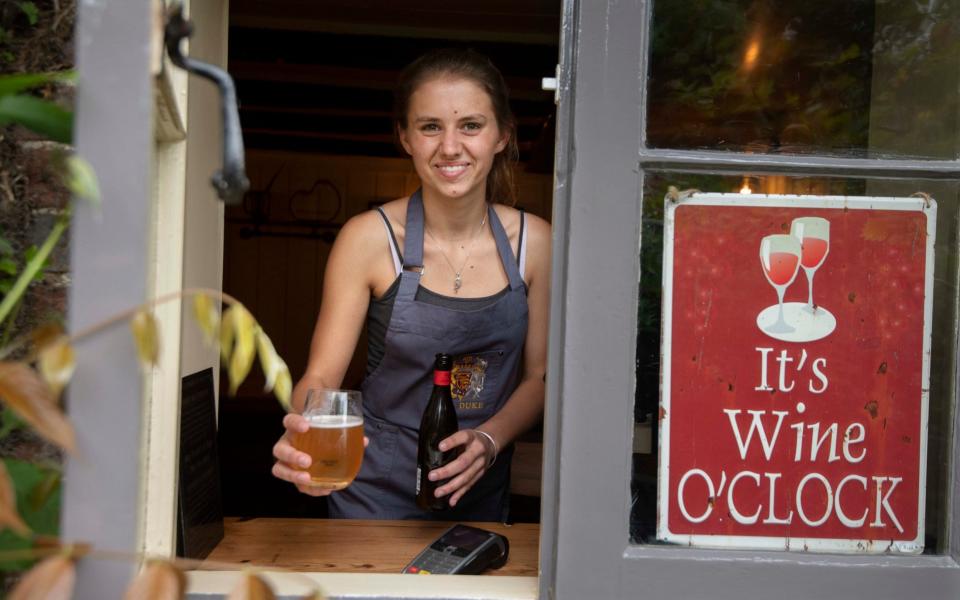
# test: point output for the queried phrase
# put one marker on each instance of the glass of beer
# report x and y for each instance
(335, 438)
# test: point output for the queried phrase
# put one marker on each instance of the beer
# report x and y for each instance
(335, 445)
(439, 421)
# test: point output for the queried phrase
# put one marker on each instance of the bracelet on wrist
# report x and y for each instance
(493, 442)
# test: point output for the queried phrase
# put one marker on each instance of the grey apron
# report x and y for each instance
(487, 344)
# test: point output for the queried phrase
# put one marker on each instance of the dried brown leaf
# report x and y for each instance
(9, 517)
(27, 395)
(146, 334)
(52, 579)
(159, 580)
(251, 587)
(244, 348)
(46, 334)
(56, 364)
(207, 316)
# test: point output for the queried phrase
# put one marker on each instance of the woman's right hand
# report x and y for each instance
(292, 464)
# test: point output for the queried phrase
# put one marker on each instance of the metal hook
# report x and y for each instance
(231, 181)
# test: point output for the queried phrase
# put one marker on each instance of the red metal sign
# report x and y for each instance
(795, 372)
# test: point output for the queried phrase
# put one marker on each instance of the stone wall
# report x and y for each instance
(31, 195)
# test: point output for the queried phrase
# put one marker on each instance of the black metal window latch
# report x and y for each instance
(231, 181)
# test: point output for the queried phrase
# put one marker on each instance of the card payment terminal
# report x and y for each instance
(461, 550)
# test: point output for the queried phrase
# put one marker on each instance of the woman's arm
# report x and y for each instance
(347, 283)
(524, 408)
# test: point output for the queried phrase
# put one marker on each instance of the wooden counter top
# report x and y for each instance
(352, 546)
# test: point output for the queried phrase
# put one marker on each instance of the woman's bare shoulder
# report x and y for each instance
(366, 225)
(510, 217)
(538, 229)
(396, 211)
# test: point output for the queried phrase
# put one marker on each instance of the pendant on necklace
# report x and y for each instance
(457, 283)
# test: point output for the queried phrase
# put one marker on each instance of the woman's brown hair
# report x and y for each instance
(475, 67)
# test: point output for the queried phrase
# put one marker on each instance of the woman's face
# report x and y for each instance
(452, 136)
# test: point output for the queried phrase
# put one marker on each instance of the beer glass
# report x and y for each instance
(335, 438)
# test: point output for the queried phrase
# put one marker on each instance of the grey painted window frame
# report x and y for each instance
(114, 131)
(601, 159)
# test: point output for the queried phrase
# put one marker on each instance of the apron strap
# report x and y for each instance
(506, 252)
(412, 250)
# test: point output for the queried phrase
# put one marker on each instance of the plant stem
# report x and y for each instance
(10, 324)
(33, 267)
(123, 316)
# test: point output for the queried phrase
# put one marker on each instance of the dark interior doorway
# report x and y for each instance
(314, 82)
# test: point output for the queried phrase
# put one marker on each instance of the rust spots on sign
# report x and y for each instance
(711, 501)
(694, 358)
(882, 370)
(871, 407)
(906, 439)
(663, 413)
(852, 297)
(729, 387)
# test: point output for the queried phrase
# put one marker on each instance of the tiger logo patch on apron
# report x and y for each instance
(466, 382)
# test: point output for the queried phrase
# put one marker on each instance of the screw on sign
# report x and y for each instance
(795, 383)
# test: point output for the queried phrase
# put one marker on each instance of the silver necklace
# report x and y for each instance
(458, 280)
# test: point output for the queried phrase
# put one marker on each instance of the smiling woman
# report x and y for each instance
(477, 291)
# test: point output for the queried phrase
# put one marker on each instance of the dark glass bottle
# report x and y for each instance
(439, 421)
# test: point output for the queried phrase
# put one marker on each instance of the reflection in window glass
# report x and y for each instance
(860, 78)
(643, 521)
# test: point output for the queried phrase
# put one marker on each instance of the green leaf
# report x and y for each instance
(42, 519)
(41, 116)
(12, 84)
(28, 257)
(5, 286)
(81, 179)
(29, 9)
(8, 266)
(41, 493)
(9, 421)
(5, 246)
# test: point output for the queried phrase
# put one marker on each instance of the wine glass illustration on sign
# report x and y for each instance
(814, 236)
(780, 258)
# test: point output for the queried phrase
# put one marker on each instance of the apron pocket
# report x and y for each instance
(380, 454)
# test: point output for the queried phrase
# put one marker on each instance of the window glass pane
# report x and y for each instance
(855, 78)
(867, 247)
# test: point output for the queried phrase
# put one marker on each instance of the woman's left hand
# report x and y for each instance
(464, 471)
